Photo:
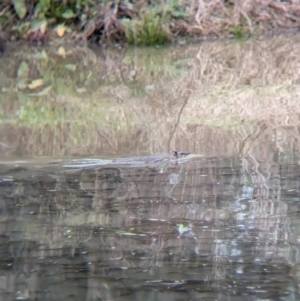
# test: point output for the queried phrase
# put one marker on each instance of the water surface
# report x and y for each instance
(222, 225)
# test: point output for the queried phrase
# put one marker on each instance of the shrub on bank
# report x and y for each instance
(149, 29)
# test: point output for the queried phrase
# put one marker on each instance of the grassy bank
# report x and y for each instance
(142, 22)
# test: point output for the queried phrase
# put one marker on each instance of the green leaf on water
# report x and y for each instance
(20, 8)
(182, 228)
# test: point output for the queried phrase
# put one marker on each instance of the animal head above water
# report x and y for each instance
(177, 155)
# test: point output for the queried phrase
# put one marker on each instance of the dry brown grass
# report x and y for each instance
(104, 22)
(210, 17)
(221, 16)
(196, 18)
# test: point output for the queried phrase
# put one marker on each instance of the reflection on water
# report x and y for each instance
(207, 228)
(213, 98)
(219, 226)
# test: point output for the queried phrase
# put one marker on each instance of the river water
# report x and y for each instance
(220, 225)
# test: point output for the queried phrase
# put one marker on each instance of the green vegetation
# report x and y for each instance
(149, 30)
(146, 25)
(239, 32)
(153, 25)
(139, 22)
(52, 10)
